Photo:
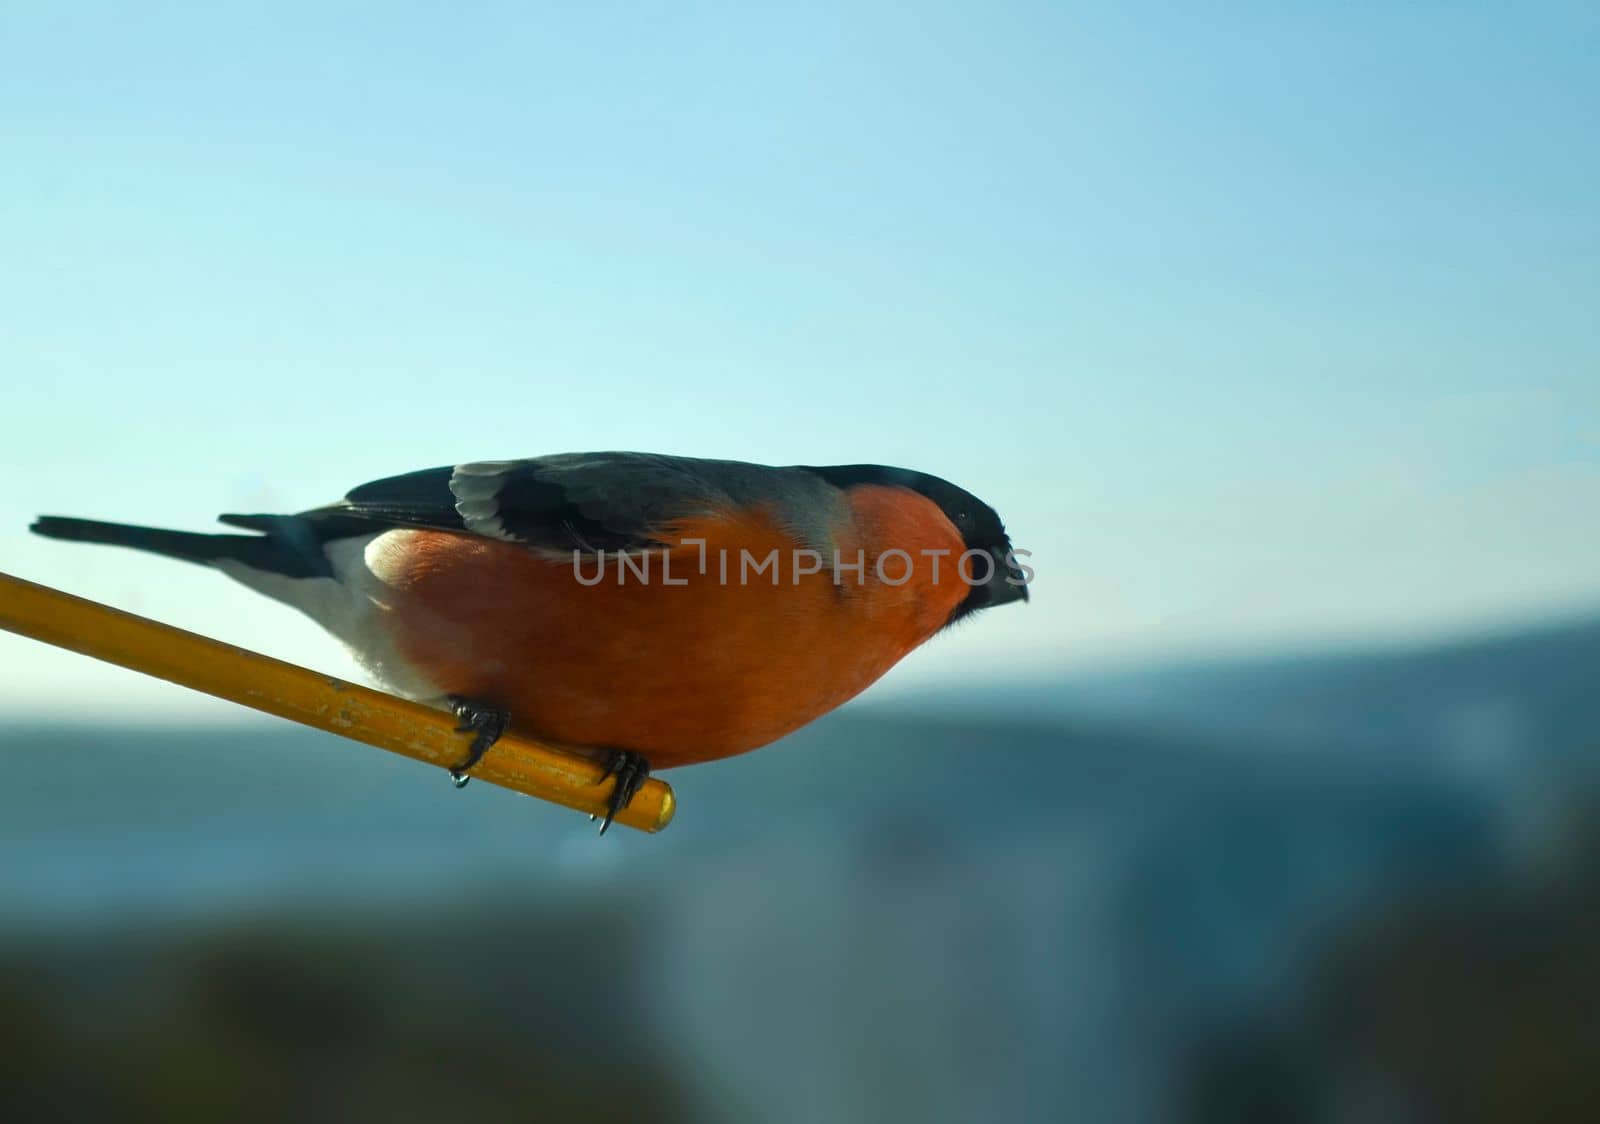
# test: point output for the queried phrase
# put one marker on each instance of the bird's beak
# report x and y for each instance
(1009, 583)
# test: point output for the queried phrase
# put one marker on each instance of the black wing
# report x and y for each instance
(588, 501)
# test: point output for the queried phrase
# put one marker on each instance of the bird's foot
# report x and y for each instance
(631, 771)
(489, 722)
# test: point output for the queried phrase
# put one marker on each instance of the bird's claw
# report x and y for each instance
(490, 724)
(631, 771)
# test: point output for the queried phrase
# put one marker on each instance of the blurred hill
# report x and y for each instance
(1091, 896)
(1532, 691)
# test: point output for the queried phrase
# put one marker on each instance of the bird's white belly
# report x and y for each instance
(353, 605)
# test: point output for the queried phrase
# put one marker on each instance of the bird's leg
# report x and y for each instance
(489, 722)
(631, 771)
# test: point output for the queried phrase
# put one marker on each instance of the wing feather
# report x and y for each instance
(584, 501)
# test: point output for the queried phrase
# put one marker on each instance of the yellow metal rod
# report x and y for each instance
(312, 699)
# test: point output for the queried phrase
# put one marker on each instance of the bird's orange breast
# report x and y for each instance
(678, 664)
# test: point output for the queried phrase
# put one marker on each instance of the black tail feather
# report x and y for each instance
(260, 552)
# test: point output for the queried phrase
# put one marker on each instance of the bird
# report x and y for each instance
(650, 610)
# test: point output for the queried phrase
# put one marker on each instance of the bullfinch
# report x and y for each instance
(650, 610)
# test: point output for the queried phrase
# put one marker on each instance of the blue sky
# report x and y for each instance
(1260, 323)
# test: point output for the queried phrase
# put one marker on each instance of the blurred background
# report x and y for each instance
(1268, 328)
